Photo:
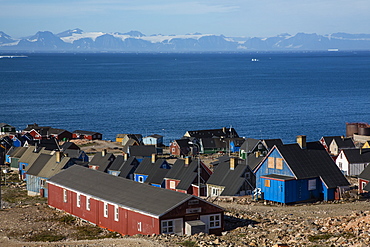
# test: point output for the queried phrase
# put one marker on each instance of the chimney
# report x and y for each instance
(301, 140)
(232, 163)
(187, 161)
(57, 156)
(154, 158)
(125, 157)
(103, 152)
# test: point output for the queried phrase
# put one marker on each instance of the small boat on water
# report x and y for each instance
(255, 60)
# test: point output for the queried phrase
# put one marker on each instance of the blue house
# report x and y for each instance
(152, 171)
(156, 140)
(299, 172)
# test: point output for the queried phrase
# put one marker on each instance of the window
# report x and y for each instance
(42, 183)
(140, 179)
(167, 226)
(116, 212)
(248, 175)
(105, 210)
(78, 201)
(340, 165)
(279, 163)
(88, 203)
(172, 185)
(267, 183)
(65, 195)
(215, 191)
(312, 184)
(173, 150)
(214, 221)
(139, 226)
(271, 162)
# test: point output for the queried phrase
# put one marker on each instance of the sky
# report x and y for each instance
(232, 18)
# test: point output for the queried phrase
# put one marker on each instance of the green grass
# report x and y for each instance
(67, 219)
(46, 236)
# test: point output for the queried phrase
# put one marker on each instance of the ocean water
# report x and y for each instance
(281, 95)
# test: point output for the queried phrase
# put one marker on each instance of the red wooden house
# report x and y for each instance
(88, 135)
(130, 208)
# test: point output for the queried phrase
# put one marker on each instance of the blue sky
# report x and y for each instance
(248, 18)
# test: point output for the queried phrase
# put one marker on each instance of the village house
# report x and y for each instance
(231, 177)
(299, 172)
(6, 129)
(27, 159)
(185, 177)
(156, 140)
(88, 135)
(131, 208)
(152, 171)
(143, 151)
(44, 167)
(363, 180)
(102, 161)
(353, 161)
(182, 148)
(13, 155)
(124, 166)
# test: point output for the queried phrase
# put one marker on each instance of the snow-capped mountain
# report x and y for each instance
(77, 40)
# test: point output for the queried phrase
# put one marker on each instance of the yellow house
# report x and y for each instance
(119, 137)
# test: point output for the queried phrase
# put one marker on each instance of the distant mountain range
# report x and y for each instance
(77, 40)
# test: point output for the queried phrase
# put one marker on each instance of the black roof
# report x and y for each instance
(344, 143)
(311, 163)
(155, 173)
(253, 161)
(142, 150)
(213, 143)
(124, 166)
(365, 174)
(123, 192)
(185, 173)
(232, 180)
(224, 132)
(102, 162)
(357, 156)
(270, 143)
(39, 163)
(69, 145)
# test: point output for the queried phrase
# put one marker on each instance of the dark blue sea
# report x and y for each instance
(280, 95)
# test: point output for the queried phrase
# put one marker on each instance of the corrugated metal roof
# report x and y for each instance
(124, 192)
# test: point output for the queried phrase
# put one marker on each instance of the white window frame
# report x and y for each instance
(214, 221)
(172, 184)
(167, 226)
(140, 179)
(139, 226)
(78, 200)
(116, 213)
(215, 191)
(65, 196)
(88, 206)
(105, 208)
